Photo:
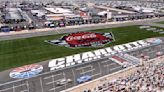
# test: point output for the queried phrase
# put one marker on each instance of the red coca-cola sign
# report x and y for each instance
(80, 37)
(84, 39)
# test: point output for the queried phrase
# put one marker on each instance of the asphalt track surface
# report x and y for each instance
(77, 28)
(97, 68)
(47, 82)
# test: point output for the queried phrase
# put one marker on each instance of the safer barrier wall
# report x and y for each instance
(123, 73)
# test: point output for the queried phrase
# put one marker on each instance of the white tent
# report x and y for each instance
(102, 13)
(58, 10)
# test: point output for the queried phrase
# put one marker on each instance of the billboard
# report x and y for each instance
(84, 39)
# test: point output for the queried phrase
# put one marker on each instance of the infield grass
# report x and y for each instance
(162, 22)
(18, 52)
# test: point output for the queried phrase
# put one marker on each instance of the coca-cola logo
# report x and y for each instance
(86, 36)
(84, 39)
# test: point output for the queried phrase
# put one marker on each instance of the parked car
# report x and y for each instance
(31, 27)
(61, 24)
(5, 29)
(52, 25)
(63, 81)
(83, 79)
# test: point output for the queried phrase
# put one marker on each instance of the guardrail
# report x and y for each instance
(93, 84)
(123, 73)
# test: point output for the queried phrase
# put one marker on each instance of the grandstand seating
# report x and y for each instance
(147, 79)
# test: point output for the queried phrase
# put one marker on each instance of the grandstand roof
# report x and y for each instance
(13, 13)
(58, 10)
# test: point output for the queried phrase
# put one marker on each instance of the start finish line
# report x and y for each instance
(97, 54)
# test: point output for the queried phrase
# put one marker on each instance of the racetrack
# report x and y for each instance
(76, 28)
(97, 68)
(47, 82)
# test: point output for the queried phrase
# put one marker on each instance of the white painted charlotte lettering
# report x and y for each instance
(110, 51)
(70, 60)
(77, 58)
(52, 63)
(118, 48)
(143, 43)
(97, 53)
(87, 56)
(100, 52)
(122, 48)
(60, 63)
(91, 56)
(128, 46)
(136, 44)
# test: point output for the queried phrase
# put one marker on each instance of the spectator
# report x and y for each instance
(147, 79)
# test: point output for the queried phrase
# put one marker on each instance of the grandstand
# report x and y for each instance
(148, 78)
(129, 3)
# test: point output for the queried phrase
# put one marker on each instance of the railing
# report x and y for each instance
(123, 73)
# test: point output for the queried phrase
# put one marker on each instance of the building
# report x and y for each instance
(14, 15)
(58, 10)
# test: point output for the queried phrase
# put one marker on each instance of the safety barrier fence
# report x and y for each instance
(123, 73)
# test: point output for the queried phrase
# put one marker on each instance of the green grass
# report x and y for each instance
(162, 22)
(14, 53)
